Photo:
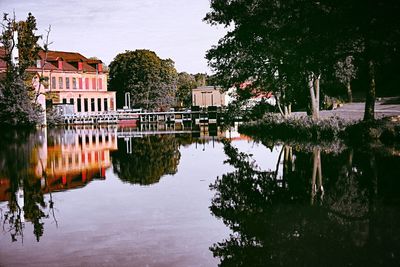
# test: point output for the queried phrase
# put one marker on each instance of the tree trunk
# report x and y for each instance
(316, 179)
(349, 93)
(370, 97)
(314, 93)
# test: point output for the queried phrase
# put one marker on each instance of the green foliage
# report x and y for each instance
(272, 44)
(17, 104)
(27, 43)
(345, 70)
(303, 128)
(201, 79)
(278, 45)
(150, 80)
(186, 82)
(383, 130)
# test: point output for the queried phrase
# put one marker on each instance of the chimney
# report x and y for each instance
(15, 52)
(100, 67)
(80, 65)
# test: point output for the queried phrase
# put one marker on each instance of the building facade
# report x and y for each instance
(71, 78)
(207, 96)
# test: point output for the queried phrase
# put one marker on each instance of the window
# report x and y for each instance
(64, 101)
(111, 104)
(71, 101)
(80, 83)
(67, 83)
(53, 83)
(92, 102)
(79, 104)
(87, 83)
(86, 105)
(60, 82)
(73, 83)
(105, 104)
(100, 84)
(94, 83)
(98, 104)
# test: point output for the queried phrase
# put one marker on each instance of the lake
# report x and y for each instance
(202, 196)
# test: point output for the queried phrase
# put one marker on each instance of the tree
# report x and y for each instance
(375, 27)
(17, 104)
(201, 79)
(346, 71)
(28, 47)
(286, 45)
(151, 81)
(186, 82)
(273, 45)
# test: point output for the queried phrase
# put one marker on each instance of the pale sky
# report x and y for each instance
(103, 28)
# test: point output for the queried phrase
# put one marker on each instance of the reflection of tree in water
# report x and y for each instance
(274, 222)
(151, 157)
(26, 200)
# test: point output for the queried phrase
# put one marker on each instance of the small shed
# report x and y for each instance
(206, 96)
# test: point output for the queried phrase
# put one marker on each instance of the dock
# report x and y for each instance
(138, 116)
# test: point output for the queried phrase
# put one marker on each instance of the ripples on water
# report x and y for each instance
(119, 196)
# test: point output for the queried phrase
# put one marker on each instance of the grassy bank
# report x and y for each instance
(304, 129)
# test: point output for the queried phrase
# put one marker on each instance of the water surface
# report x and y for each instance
(115, 196)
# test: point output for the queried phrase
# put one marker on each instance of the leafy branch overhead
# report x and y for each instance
(288, 46)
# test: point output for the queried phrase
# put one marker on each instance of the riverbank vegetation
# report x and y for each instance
(273, 127)
(302, 50)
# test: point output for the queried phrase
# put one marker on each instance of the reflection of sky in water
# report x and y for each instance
(265, 158)
(109, 221)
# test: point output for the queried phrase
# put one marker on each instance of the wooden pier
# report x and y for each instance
(137, 116)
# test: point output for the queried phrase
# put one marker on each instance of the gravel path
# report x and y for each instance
(386, 107)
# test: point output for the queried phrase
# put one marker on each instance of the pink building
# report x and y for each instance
(73, 79)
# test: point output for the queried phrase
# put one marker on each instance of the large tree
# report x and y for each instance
(375, 26)
(151, 81)
(17, 100)
(285, 46)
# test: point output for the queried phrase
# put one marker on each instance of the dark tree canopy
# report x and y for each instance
(286, 46)
(150, 80)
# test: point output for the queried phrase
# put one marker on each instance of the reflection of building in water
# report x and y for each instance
(210, 131)
(80, 154)
(204, 131)
(68, 158)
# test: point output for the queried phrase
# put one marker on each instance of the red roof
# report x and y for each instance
(69, 61)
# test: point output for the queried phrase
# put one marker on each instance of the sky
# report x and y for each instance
(104, 28)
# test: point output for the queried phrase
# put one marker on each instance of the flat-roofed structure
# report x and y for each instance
(206, 96)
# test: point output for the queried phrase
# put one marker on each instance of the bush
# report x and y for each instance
(300, 128)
